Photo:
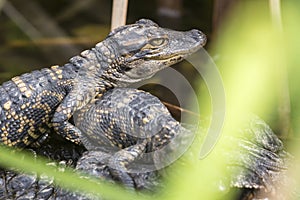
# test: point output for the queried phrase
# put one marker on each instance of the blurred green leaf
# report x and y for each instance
(66, 179)
(252, 54)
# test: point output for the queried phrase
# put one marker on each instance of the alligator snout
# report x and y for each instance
(198, 36)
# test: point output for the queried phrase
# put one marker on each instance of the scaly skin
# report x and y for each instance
(34, 186)
(122, 119)
(31, 103)
(129, 123)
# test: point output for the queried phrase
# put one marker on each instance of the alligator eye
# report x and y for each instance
(157, 41)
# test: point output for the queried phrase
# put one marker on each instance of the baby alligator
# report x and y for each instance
(33, 102)
(131, 124)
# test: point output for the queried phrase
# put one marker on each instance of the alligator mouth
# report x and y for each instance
(178, 55)
(164, 58)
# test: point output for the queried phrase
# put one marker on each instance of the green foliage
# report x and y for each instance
(254, 57)
(25, 162)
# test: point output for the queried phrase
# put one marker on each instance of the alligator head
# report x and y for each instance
(144, 48)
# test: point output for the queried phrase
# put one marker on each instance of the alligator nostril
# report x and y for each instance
(198, 36)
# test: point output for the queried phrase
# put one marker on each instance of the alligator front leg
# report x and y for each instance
(119, 162)
(76, 99)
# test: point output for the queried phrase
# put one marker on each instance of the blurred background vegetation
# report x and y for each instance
(256, 54)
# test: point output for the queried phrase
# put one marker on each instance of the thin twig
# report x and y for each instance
(54, 41)
(275, 9)
(21, 21)
(119, 13)
(180, 109)
(2, 2)
(284, 95)
(25, 17)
